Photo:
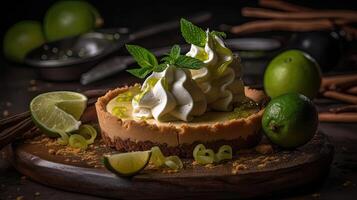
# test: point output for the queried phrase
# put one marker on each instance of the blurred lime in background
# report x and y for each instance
(21, 38)
(69, 18)
(292, 71)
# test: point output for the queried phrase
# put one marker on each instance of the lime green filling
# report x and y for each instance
(120, 111)
(150, 83)
(244, 109)
(128, 95)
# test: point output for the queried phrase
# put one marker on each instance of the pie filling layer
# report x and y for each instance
(210, 117)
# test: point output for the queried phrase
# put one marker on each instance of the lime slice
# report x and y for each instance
(174, 162)
(127, 164)
(157, 158)
(55, 112)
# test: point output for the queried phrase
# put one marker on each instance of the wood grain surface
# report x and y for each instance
(263, 175)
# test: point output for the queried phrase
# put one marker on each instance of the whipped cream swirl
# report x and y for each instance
(220, 78)
(169, 95)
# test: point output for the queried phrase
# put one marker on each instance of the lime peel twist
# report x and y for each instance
(159, 160)
(205, 156)
(78, 139)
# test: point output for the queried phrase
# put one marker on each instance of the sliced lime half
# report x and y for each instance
(55, 112)
(127, 164)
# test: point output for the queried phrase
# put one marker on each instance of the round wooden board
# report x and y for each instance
(250, 175)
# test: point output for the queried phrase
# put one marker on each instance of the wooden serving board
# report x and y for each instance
(250, 174)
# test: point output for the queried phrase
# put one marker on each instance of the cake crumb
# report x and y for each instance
(258, 159)
(37, 194)
(210, 166)
(264, 149)
(23, 177)
(169, 171)
(51, 151)
(195, 163)
(262, 165)
(238, 167)
(8, 104)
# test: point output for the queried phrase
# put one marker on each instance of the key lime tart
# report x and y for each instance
(185, 100)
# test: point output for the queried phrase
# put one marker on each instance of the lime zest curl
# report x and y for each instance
(78, 141)
(63, 140)
(224, 153)
(88, 132)
(157, 158)
(81, 138)
(173, 162)
(205, 156)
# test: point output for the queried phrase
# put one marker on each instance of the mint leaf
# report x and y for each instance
(188, 62)
(192, 33)
(159, 68)
(142, 56)
(168, 60)
(219, 34)
(140, 72)
(175, 52)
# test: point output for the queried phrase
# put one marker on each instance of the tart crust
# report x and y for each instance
(177, 139)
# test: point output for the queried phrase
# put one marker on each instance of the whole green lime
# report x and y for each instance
(292, 71)
(21, 38)
(290, 120)
(69, 18)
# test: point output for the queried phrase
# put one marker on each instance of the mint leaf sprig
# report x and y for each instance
(196, 35)
(148, 62)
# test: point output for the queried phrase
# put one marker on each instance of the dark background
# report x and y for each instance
(17, 81)
(136, 14)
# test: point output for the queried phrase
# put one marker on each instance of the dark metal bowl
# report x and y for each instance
(67, 59)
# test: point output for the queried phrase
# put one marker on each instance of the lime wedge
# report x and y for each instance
(157, 158)
(127, 164)
(55, 112)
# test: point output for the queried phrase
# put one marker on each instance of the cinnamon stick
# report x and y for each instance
(13, 132)
(283, 25)
(282, 5)
(338, 82)
(341, 96)
(340, 117)
(352, 90)
(348, 108)
(6, 122)
(349, 15)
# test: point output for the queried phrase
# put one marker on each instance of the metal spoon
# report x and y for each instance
(68, 58)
